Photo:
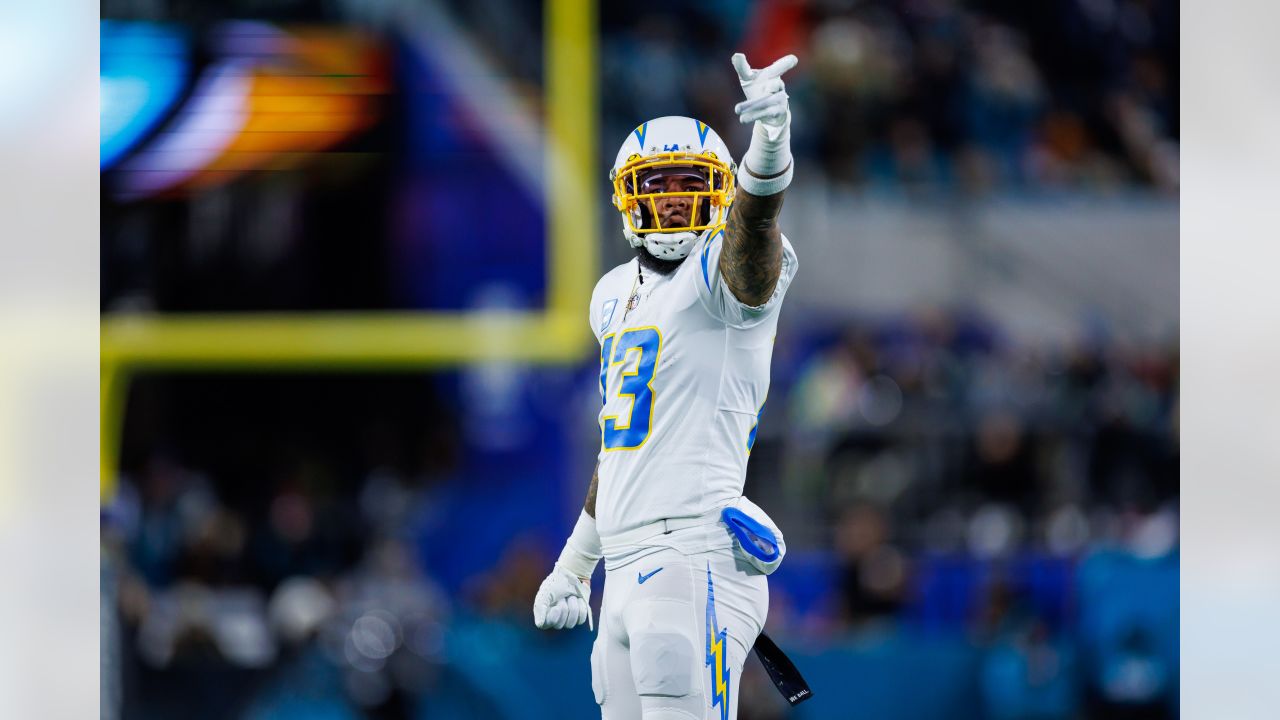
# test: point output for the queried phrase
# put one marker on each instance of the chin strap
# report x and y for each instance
(670, 246)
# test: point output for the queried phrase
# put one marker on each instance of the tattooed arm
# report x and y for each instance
(590, 505)
(751, 259)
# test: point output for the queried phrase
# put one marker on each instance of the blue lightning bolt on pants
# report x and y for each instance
(674, 633)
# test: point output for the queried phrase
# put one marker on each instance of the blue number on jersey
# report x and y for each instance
(606, 347)
(646, 344)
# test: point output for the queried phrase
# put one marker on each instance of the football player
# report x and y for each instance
(686, 334)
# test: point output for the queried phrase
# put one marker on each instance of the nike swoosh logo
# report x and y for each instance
(641, 578)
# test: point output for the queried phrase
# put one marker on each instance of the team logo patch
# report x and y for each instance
(606, 313)
(716, 654)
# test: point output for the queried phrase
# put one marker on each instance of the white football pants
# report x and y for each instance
(674, 633)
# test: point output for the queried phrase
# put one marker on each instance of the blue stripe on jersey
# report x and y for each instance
(705, 250)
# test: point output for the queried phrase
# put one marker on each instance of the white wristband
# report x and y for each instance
(582, 550)
(769, 154)
(761, 187)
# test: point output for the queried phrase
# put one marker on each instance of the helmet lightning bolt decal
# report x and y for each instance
(703, 128)
(640, 133)
(716, 654)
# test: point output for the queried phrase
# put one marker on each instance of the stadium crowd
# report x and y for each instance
(925, 94)
(911, 95)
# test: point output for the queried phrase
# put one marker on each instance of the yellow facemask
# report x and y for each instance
(710, 207)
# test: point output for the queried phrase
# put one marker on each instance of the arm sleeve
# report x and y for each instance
(599, 311)
(720, 301)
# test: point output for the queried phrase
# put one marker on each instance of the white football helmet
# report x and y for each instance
(657, 151)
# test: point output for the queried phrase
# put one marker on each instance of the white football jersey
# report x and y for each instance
(683, 376)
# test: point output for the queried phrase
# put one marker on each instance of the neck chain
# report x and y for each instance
(634, 298)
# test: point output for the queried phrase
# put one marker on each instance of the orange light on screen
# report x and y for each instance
(318, 92)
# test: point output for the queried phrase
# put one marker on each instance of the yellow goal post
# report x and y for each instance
(133, 342)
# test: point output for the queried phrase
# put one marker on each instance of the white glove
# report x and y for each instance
(766, 101)
(563, 601)
(766, 167)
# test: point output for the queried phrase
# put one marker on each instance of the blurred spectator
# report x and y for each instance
(929, 94)
(1133, 680)
(1025, 676)
(873, 572)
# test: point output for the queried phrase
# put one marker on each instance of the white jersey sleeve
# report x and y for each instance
(600, 313)
(605, 309)
(719, 300)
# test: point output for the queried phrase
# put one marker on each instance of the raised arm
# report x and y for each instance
(751, 260)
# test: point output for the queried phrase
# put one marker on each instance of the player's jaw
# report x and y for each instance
(676, 213)
(657, 265)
